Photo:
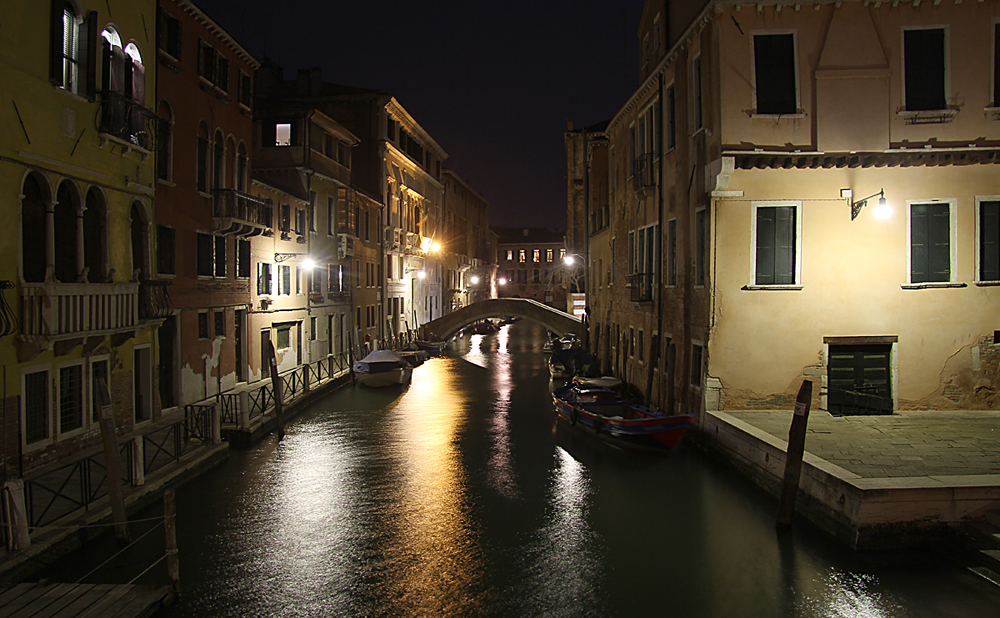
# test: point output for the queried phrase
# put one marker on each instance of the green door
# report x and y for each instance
(858, 379)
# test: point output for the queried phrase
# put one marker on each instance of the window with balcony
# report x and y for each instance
(65, 220)
(775, 85)
(123, 114)
(95, 236)
(33, 228)
(924, 77)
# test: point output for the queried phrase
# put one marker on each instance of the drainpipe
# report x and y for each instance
(654, 356)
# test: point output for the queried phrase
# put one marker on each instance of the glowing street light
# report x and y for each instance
(502, 281)
(474, 279)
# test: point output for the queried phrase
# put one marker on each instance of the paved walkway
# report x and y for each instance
(904, 444)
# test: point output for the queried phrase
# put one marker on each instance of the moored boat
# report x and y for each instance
(602, 412)
(382, 368)
(558, 369)
(431, 347)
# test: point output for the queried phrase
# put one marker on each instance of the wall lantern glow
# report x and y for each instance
(881, 211)
(306, 263)
(569, 259)
(474, 279)
(502, 281)
(421, 274)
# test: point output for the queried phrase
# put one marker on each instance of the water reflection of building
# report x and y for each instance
(531, 265)
(740, 257)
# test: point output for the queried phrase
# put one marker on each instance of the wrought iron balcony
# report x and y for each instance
(58, 311)
(643, 178)
(236, 212)
(641, 287)
(154, 301)
(127, 121)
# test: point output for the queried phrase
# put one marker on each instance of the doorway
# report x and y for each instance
(859, 378)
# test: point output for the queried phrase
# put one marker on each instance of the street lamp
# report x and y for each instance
(306, 263)
(881, 211)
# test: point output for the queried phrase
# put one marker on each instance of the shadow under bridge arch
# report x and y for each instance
(446, 326)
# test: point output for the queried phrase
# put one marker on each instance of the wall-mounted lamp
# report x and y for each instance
(502, 281)
(307, 263)
(881, 211)
(474, 279)
(420, 272)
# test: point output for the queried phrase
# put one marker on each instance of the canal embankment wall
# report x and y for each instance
(865, 513)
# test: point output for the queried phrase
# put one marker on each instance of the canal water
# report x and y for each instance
(461, 496)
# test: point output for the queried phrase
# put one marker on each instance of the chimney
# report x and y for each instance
(316, 81)
(302, 83)
(569, 125)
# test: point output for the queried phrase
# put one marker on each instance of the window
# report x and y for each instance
(213, 66)
(924, 69)
(631, 252)
(203, 325)
(246, 89)
(72, 50)
(36, 406)
(263, 278)
(776, 228)
(285, 225)
(521, 256)
(989, 241)
(242, 258)
(672, 252)
(640, 347)
(166, 242)
(548, 255)
(535, 256)
(205, 258)
(774, 74)
(510, 255)
(284, 280)
(700, 240)
(671, 119)
(284, 336)
(201, 162)
(331, 210)
(283, 134)
(220, 323)
(535, 276)
(696, 88)
(298, 280)
(697, 352)
(70, 398)
(164, 142)
(312, 328)
(930, 242)
(220, 256)
(168, 34)
(300, 221)
(631, 342)
(98, 372)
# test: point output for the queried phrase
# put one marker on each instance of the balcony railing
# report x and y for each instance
(127, 121)
(239, 213)
(643, 179)
(641, 286)
(154, 301)
(66, 310)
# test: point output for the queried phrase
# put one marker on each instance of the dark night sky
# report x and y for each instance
(492, 82)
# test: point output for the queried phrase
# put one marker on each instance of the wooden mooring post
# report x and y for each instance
(272, 361)
(170, 531)
(113, 463)
(793, 456)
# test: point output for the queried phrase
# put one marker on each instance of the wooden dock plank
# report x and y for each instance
(80, 604)
(33, 592)
(140, 601)
(9, 593)
(70, 594)
(105, 604)
(40, 606)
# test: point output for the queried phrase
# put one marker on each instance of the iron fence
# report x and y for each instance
(167, 444)
(230, 404)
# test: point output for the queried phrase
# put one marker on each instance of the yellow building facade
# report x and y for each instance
(77, 178)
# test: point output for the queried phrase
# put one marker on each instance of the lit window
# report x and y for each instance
(535, 256)
(283, 134)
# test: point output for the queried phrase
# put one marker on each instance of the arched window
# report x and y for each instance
(202, 158)
(139, 225)
(67, 211)
(218, 161)
(33, 234)
(95, 236)
(164, 143)
(233, 169)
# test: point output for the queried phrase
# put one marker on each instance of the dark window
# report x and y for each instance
(202, 164)
(775, 245)
(243, 258)
(36, 406)
(671, 118)
(286, 218)
(220, 256)
(300, 221)
(163, 148)
(246, 89)
(284, 336)
(33, 231)
(989, 241)
(774, 70)
(923, 56)
(206, 258)
(696, 70)
(168, 34)
(930, 243)
(672, 252)
(203, 325)
(222, 72)
(696, 364)
(207, 61)
(166, 246)
(220, 323)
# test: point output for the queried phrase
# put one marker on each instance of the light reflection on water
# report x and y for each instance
(459, 496)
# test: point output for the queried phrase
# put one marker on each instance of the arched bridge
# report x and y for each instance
(556, 321)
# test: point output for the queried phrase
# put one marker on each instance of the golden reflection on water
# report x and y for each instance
(500, 468)
(436, 565)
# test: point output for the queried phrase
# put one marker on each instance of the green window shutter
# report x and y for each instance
(930, 243)
(989, 239)
(775, 246)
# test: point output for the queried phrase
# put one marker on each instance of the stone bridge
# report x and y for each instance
(556, 321)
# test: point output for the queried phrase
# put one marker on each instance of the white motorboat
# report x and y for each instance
(383, 368)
